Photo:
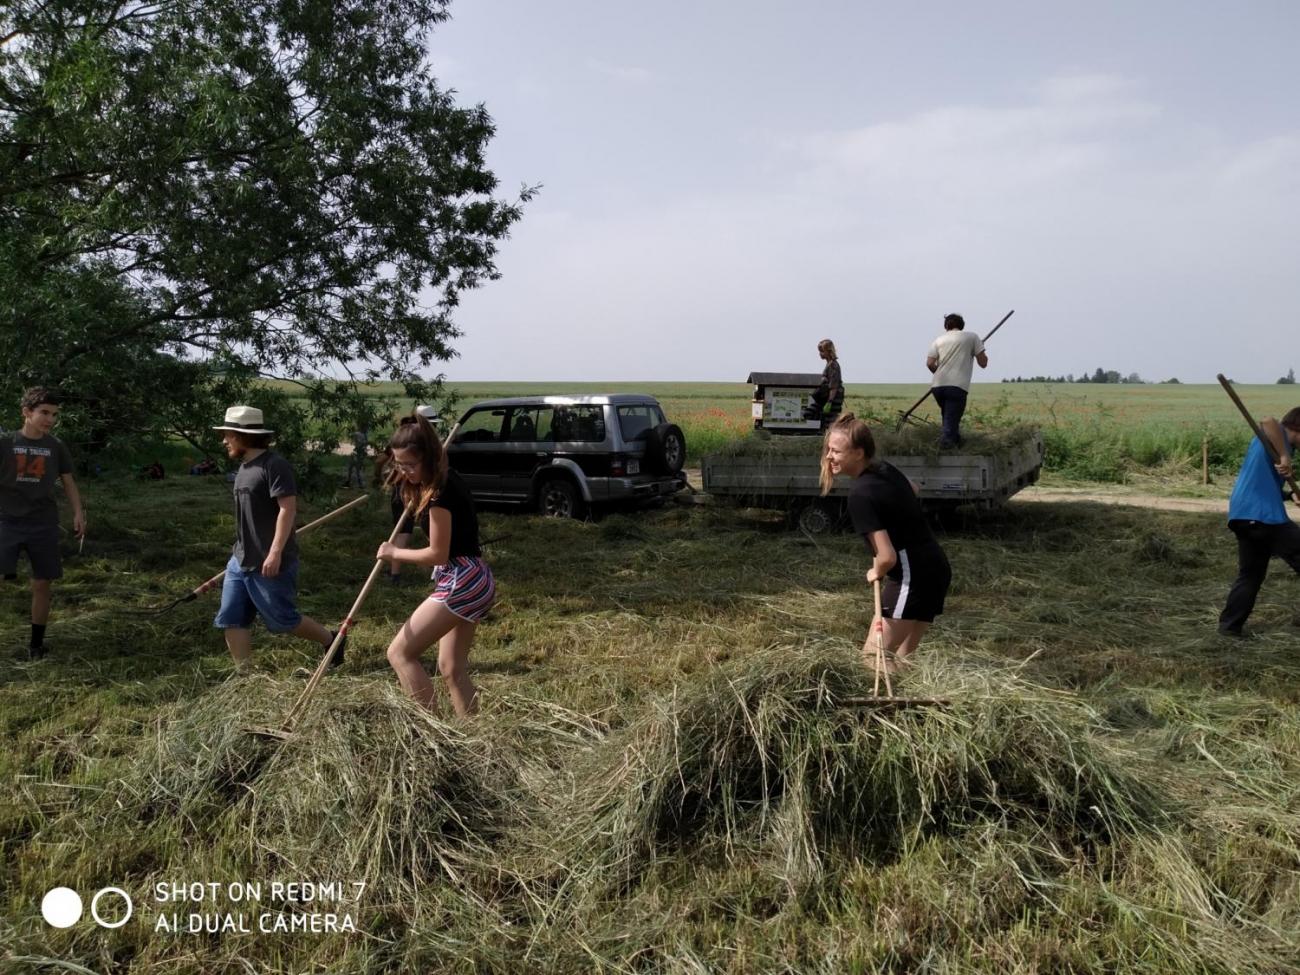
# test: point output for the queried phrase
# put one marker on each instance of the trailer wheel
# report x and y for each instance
(665, 448)
(817, 517)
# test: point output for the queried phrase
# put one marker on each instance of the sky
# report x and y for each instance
(723, 184)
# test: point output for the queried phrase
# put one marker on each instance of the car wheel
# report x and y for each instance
(665, 447)
(816, 518)
(558, 498)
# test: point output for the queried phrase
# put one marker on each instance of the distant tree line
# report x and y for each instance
(1096, 376)
(1113, 376)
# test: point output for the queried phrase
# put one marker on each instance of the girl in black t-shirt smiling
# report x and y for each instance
(907, 558)
(463, 585)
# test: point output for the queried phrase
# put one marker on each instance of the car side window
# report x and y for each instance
(635, 421)
(481, 426)
(529, 424)
(584, 424)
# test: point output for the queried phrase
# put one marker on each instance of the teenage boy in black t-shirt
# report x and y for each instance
(32, 462)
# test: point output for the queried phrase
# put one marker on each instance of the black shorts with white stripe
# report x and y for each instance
(916, 587)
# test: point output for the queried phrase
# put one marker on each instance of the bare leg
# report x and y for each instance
(430, 622)
(40, 601)
(904, 636)
(239, 642)
(901, 638)
(309, 629)
(453, 664)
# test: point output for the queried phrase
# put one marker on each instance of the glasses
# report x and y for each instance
(405, 468)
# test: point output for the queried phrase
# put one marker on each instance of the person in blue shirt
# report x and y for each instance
(1257, 516)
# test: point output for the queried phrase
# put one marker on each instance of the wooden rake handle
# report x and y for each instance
(301, 704)
(878, 630)
(1268, 444)
(216, 579)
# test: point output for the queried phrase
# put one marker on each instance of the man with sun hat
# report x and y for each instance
(262, 575)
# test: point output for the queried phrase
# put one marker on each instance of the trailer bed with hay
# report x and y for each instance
(782, 472)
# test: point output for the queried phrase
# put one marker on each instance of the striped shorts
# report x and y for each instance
(465, 586)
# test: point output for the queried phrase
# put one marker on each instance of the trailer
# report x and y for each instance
(783, 473)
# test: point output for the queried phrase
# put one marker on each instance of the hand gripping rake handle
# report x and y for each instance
(300, 705)
(1268, 444)
(915, 406)
(216, 579)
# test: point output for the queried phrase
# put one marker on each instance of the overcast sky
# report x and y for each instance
(724, 184)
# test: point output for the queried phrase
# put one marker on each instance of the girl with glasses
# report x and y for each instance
(463, 587)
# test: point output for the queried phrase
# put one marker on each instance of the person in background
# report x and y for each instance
(357, 459)
(1257, 516)
(262, 574)
(906, 557)
(951, 358)
(463, 587)
(828, 400)
(32, 463)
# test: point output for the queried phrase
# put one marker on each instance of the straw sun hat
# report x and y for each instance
(244, 419)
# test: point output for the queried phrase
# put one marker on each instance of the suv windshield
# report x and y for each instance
(635, 421)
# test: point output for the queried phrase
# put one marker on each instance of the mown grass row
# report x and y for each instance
(673, 770)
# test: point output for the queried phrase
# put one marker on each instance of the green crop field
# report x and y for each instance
(674, 770)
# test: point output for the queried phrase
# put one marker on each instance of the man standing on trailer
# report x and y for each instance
(1257, 516)
(32, 462)
(262, 575)
(951, 358)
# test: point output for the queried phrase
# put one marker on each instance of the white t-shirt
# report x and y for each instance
(956, 351)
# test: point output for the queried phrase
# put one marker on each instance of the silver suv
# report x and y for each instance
(565, 454)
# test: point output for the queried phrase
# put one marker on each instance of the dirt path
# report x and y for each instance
(1137, 500)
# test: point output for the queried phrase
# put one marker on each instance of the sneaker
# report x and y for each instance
(32, 653)
(336, 660)
(1236, 634)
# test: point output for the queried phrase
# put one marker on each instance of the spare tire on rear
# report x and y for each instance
(665, 448)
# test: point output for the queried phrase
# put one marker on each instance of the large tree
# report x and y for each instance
(194, 194)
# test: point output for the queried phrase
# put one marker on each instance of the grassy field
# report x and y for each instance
(670, 773)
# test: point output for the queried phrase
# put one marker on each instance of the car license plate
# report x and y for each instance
(634, 467)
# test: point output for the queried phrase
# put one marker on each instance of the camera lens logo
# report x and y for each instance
(61, 907)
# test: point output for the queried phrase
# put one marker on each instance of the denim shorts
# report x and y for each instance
(247, 594)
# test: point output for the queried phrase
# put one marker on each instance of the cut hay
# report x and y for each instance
(371, 790)
(369, 787)
(763, 759)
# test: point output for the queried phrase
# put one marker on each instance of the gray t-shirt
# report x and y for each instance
(29, 471)
(257, 485)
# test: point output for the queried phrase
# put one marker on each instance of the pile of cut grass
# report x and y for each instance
(782, 756)
(371, 790)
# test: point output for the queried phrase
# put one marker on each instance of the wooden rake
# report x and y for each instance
(285, 731)
(1268, 444)
(889, 699)
(215, 581)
